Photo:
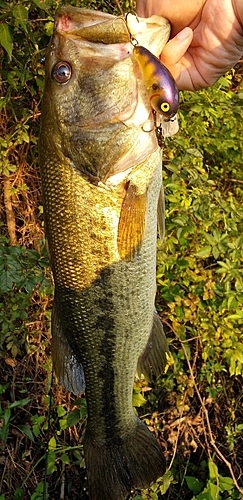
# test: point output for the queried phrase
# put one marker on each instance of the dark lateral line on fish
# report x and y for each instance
(107, 349)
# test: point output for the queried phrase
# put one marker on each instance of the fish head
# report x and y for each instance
(79, 64)
(89, 86)
(92, 90)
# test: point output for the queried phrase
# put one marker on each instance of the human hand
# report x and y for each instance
(207, 38)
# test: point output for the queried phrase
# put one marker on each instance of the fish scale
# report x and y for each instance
(102, 190)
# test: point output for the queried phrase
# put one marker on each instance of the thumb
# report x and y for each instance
(174, 51)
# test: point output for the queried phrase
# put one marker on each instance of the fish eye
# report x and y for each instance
(61, 72)
(165, 107)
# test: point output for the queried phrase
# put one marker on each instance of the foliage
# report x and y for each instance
(204, 243)
(200, 290)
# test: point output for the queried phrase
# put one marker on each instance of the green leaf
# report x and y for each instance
(49, 28)
(25, 136)
(225, 483)
(2, 391)
(183, 263)
(38, 494)
(73, 418)
(27, 431)
(61, 411)
(213, 470)
(52, 444)
(18, 494)
(210, 239)
(215, 251)
(194, 152)
(63, 423)
(51, 462)
(238, 315)
(193, 484)
(213, 491)
(65, 459)
(9, 273)
(6, 39)
(36, 430)
(205, 495)
(44, 5)
(78, 401)
(167, 480)
(5, 428)
(21, 403)
(204, 252)
(21, 15)
(83, 408)
(138, 399)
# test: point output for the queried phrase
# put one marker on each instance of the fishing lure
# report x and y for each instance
(161, 88)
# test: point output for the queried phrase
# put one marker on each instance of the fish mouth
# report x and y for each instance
(99, 27)
(92, 26)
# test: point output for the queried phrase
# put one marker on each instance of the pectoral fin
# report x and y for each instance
(161, 214)
(131, 225)
(67, 367)
(153, 359)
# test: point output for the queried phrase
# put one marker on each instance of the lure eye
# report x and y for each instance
(154, 86)
(165, 107)
(61, 72)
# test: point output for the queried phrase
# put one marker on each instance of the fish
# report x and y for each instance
(101, 176)
(161, 87)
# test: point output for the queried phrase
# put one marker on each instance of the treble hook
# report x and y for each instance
(133, 40)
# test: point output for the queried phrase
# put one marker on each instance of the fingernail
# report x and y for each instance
(184, 34)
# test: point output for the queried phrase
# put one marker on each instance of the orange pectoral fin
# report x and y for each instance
(131, 225)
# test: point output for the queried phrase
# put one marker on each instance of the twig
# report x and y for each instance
(119, 6)
(178, 434)
(236, 180)
(205, 411)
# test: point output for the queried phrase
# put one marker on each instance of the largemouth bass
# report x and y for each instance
(102, 197)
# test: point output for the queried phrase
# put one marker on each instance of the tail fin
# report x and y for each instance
(115, 468)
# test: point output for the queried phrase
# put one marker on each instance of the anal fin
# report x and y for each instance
(153, 359)
(131, 225)
(67, 367)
